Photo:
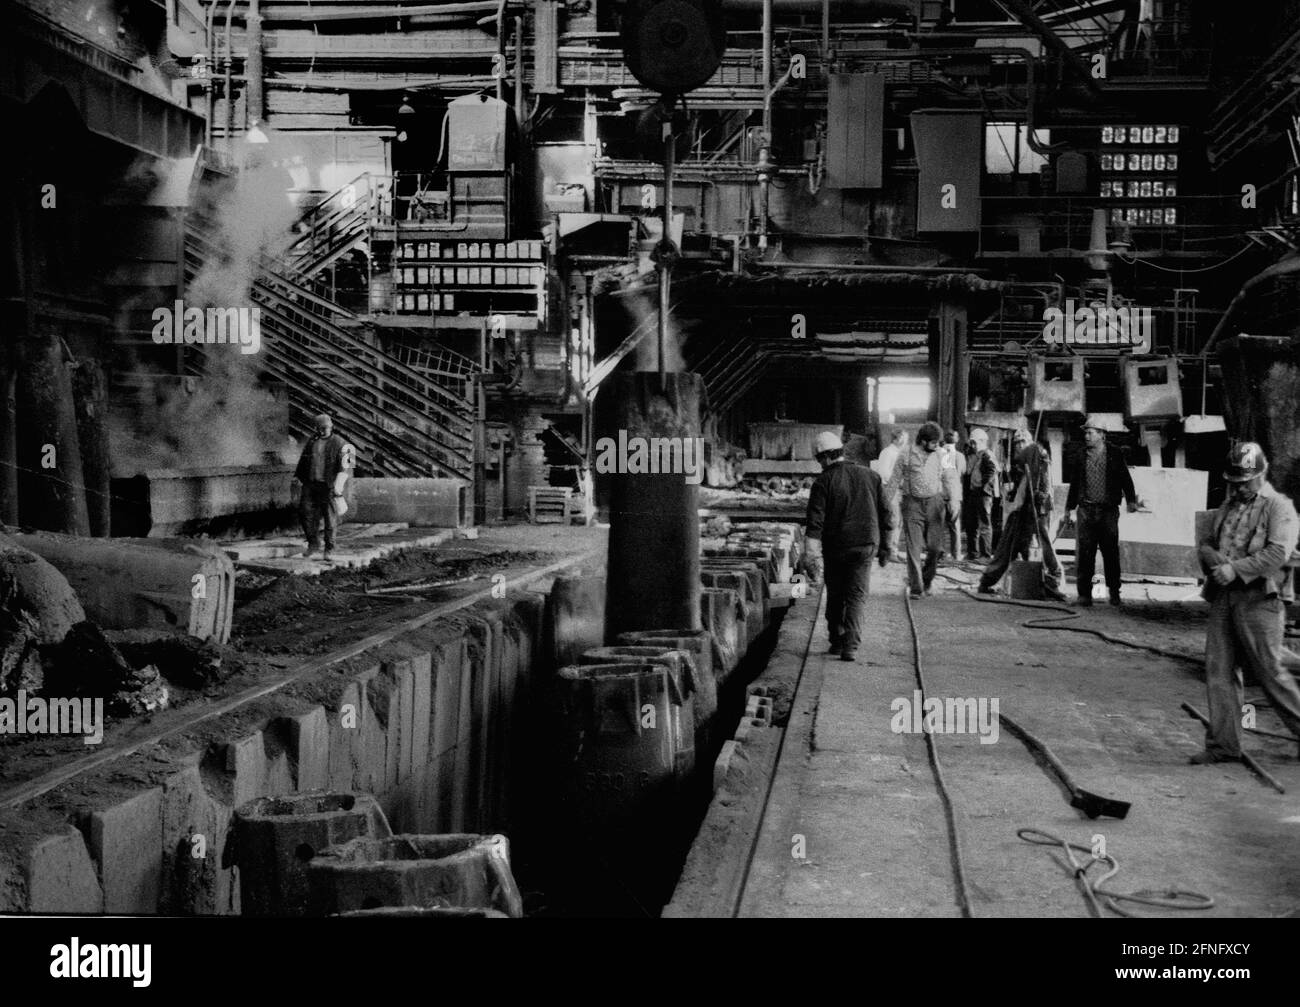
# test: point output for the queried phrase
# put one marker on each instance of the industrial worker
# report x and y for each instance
(887, 468)
(926, 487)
(1098, 479)
(1028, 515)
(981, 489)
(1248, 582)
(848, 520)
(953, 458)
(322, 473)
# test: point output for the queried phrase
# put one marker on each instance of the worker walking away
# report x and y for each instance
(1245, 557)
(1029, 514)
(1099, 479)
(887, 467)
(982, 487)
(322, 473)
(953, 458)
(927, 495)
(848, 520)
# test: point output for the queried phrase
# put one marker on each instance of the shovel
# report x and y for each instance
(1092, 805)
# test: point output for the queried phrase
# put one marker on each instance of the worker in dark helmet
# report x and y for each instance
(322, 473)
(929, 497)
(1245, 557)
(848, 525)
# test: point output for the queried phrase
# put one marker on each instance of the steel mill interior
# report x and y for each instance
(650, 458)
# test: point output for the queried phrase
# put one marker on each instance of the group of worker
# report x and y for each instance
(856, 516)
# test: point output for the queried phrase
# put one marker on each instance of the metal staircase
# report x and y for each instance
(404, 419)
(335, 226)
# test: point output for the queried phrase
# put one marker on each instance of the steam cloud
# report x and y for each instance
(225, 417)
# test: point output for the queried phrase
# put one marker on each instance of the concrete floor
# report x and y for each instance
(865, 802)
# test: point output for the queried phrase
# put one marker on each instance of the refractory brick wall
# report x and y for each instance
(429, 724)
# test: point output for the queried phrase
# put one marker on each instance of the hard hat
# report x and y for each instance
(1021, 434)
(980, 434)
(322, 420)
(1245, 461)
(827, 441)
(1095, 422)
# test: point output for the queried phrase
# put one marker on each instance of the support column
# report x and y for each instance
(654, 532)
(52, 489)
(950, 368)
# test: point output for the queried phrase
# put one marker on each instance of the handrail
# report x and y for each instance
(343, 340)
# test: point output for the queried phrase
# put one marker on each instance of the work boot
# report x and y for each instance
(1116, 600)
(1055, 595)
(928, 592)
(1208, 758)
(914, 594)
(308, 552)
(985, 589)
(327, 555)
(848, 655)
(835, 647)
(1085, 601)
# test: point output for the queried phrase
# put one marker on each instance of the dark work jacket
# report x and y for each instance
(335, 462)
(1119, 484)
(846, 508)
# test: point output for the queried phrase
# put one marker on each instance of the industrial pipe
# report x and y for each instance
(864, 268)
(254, 105)
(871, 9)
(209, 30)
(665, 259)
(226, 95)
(500, 68)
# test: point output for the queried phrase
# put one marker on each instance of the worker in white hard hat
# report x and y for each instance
(1098, 480)
(848, 522)
(982, 488)
(322, 472)
(1246, 557)
(954, 457)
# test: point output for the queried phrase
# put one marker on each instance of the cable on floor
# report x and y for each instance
(1074, 614)
(954, 834)
(1069, 615)
(1100, 898)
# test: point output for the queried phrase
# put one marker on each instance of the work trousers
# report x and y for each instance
(953, 537)
(315, 503)
(926, 520)
(978, 509)
(1017, 536)
(1245, 628)
(894, 503)
(1098, 528)
(848, 582)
